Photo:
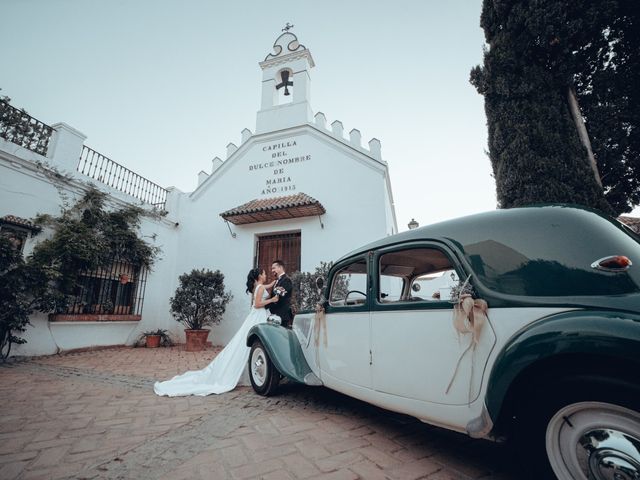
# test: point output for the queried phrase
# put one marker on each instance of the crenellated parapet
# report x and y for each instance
(354, 140)
(335, 130)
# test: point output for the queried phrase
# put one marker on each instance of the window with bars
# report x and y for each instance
(115, 290)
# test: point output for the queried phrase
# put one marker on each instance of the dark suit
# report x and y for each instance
(282, 307)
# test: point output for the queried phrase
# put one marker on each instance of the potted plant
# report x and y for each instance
(155, 338)
(199, 301)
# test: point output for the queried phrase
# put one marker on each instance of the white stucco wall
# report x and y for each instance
(350, 185)
(28, 186)
(349, 180)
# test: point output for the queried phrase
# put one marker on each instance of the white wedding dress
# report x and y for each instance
(225, 371)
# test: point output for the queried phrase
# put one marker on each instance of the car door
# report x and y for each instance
(343, 339)
(416, 352)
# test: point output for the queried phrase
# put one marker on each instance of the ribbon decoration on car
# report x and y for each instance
(469, 316)
(320, 323)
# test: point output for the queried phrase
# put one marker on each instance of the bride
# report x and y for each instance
(226, 370)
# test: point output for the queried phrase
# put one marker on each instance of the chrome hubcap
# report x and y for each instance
(594, 441)
(612, 454)
(258, 367)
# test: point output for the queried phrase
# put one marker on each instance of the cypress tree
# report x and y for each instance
(609, 98)
(530, 78)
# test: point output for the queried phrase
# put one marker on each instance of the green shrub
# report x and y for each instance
(22, 285)
(200, 299)
(305, 292)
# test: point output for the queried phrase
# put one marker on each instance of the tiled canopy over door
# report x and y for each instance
(284, 247)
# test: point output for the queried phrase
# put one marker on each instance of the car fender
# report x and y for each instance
(612, 334)
(285, 352)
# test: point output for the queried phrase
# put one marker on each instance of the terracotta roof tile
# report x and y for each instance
(274, 208)
(19, 221)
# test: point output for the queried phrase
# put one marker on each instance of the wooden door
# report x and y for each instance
(285, 247)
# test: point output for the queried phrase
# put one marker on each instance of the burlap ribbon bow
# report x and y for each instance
(320, 324)
(469, 316)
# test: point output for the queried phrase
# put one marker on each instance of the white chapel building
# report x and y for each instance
(296, 188)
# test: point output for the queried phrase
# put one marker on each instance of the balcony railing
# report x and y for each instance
(19, 127)
(105, 170)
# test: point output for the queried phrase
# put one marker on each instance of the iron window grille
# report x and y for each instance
(115, 290)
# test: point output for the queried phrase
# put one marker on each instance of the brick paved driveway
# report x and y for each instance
(94, 415)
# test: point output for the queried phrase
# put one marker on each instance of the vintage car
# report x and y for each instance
(521, 323)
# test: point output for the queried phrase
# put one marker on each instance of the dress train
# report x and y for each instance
(224, 372)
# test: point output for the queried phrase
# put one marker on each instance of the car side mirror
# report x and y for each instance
(319, 283)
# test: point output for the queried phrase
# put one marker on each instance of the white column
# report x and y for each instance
(355, 137)
(216, 163)
(337, 128)
(231, 148)
(375, 148)
(301, 84)
(172, 204)
(321, 120)
(202, 176)
(268, 94)
(66, 147)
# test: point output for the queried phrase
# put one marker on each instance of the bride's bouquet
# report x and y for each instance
(273, 318)
(280, 291)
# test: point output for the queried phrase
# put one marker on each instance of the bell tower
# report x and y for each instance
(286, 81)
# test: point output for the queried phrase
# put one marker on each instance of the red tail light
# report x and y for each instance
(612, 263)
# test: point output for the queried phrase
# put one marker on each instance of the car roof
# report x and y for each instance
(542, 255)
(501, 221)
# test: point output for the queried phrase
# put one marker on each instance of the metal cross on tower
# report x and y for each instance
(287, 27)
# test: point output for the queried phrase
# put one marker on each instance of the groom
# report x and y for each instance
(283, 287)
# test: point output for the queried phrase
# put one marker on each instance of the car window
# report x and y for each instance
(438, 284)
(349, 286)
(416, 274)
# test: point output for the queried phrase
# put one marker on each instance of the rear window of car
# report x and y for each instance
(552, 256)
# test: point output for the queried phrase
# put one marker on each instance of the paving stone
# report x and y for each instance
(414, 470)
(299, 466)
(277, 475)
(342, 474)
(50, 456)
(16, 444)
(378, 457)
(214, 471)
(94, 415)
(233, 456)
(256, 469)
(311, 449)
(463, 462)
(447, 475)
(348, 444)
(11, 470)
(281, 451)
(368, 470)
(336, 462)
(413, 452)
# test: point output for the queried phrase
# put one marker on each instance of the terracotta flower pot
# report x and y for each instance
(152, 341)
(196, 339)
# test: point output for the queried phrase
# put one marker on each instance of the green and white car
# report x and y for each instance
(553, 362)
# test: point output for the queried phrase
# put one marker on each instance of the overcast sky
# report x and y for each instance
(162, 86)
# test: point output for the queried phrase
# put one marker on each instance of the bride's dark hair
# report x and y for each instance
(252, 277)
